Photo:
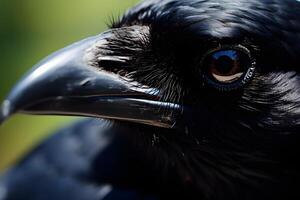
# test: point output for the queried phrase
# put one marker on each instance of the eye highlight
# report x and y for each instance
(228, 68)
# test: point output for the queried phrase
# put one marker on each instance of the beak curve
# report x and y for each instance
(65, 84)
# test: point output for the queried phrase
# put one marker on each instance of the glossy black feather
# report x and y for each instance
(242, 144)
(84, 161)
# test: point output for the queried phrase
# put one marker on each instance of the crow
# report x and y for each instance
(187, 99)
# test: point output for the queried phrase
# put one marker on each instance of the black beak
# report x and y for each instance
(65, 84)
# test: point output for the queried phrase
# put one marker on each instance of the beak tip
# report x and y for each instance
(5, 111)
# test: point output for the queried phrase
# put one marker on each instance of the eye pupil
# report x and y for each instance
(223, 65)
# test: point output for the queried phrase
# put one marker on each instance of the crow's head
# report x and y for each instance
(210, 86)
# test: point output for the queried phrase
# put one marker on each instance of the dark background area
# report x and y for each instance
(29, 31)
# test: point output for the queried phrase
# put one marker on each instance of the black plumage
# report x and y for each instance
(237, 142)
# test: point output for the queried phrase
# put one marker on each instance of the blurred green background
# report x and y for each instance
(29, 31)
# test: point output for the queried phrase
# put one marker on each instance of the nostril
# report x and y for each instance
(86, 82)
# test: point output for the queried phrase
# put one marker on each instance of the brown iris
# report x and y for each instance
(226, 65)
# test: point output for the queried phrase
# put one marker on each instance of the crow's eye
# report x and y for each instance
(228, 68)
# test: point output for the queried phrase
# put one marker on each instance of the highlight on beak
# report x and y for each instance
(65, 84)
(5, 111)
